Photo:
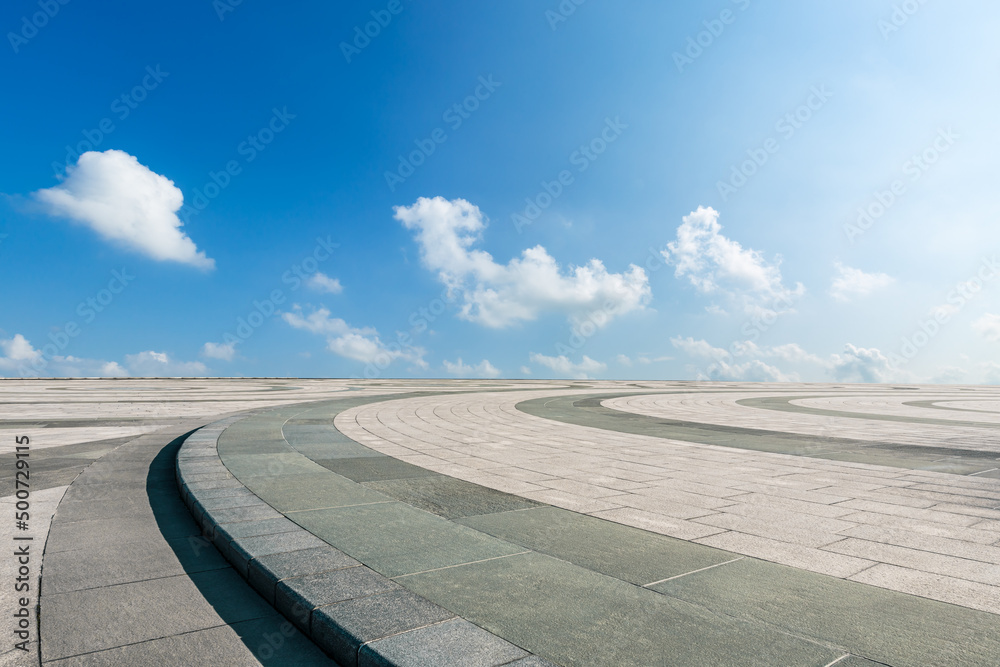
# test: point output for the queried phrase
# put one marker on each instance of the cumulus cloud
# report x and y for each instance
(988, 326)
(859, 364)
(125, 202)
(484, 369)
(748, 361)
(321, 282)
(159, 364)
(724, 365)
(717, 265)
(362, 345)
(20, 359)
(500, 295)
(565, 368)
(223, 351)
(850, 283)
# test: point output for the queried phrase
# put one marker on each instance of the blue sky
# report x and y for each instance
(517, 189)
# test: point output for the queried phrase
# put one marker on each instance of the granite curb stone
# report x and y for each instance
(354, 614)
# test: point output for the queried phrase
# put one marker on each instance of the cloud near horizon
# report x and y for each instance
(566, 368)
(127, 203)
(484, 369)
(362, 344)
(21, 359)
(501, 295)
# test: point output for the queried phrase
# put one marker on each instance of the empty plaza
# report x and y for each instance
(423, 522)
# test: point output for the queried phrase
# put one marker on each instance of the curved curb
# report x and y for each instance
(374, 623)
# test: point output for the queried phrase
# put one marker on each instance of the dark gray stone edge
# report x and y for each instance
(374, 623)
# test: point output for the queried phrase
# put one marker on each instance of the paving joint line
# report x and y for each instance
(678, 576)
(471, 562)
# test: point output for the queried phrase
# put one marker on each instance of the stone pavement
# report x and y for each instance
(581, 522)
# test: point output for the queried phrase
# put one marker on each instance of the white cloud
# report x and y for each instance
(321, 282)
(786, 363)
(850, 282)
(698, 348)
(717, 265)
(159, 364)
(126, 202)
(112, 369)
(223, 351)
(18, 349)
(20, 358)
(525, 370)
(988, 326)
(859, 364)
(484, 369)
(497, 295)
(362, 345)
(18, 354)
(623, 360)
(724, 366)
(567, 369)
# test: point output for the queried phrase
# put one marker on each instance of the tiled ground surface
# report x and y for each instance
(689, 523)
(577, 589)
(922, 532)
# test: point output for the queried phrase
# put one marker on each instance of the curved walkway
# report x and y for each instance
(570, 588)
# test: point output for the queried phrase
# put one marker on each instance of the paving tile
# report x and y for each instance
(246, 549)
(449, 497)
(344, 627)
(627, 553)
(266, 571)
(296, 597)
(933, 586)
(658, 523)
(887, 626)
(555, 610)
(919, 559)
(293, 493)
(108, 617)
(450, 643)
(786, 553)
(394, 538)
